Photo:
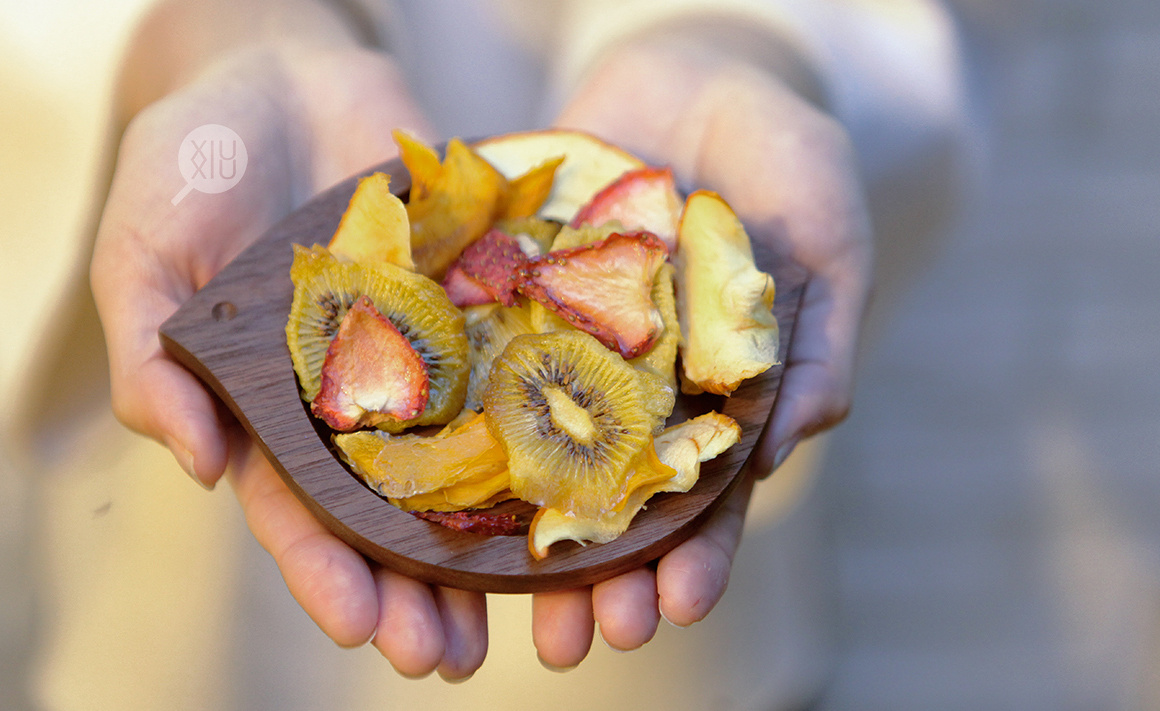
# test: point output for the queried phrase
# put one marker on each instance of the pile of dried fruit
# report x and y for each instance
(531, 296)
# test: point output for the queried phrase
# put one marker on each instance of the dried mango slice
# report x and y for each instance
(475, 493)
(449, 208)
(529, 191)
(402, 466)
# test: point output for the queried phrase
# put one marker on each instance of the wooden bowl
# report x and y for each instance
(232, 335)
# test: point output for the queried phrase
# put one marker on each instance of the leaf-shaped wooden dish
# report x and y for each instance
(232, 335)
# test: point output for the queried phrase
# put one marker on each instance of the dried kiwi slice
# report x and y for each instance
(490, 327)
(568, 412)
(326, 287)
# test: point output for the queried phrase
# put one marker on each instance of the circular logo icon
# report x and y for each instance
(212, 159)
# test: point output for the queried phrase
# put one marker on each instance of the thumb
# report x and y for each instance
(151, 393)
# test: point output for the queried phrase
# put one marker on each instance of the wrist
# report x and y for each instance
(178, 42)
(720, 45)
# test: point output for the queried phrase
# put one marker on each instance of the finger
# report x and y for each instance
(626, 608)
(351, 121)
(150, 392)
(562, 627)
(410, 633)
(693, 576)
(331, 582)
(818, 381)
(464, 618)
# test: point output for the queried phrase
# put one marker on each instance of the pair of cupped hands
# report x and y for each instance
(311, 117)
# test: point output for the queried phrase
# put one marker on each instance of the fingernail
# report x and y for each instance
(674, 624)
(783, 452)
(553, 667)
(185, 459)
(618, 650)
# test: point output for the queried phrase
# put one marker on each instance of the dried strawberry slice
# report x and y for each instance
(643, 199)
(465, 290)
(475, 521)
(493, 262)
(371, 373)
(603, 288)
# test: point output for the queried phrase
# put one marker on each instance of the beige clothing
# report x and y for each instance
(152, 595)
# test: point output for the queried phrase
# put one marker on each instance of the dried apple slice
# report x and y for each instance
(682, 448)
(371, 373)
(589, 164)
(374, 227)
(729, 332)
(644, 199)
(603, 288)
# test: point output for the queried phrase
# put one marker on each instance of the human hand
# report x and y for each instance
(788, 170)
(308, 117)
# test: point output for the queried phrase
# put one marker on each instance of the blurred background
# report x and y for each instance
(991, 505)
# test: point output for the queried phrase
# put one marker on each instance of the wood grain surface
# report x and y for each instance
(231, 334)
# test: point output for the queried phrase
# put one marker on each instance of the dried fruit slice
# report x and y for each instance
(452, 208)
(371, 374)
(421, 161)
(374, 227)
(409, 465)
(535, 235)
(644, 199)
(325, 288)
(729, 331)
(570, 237)
(661, 359)
(493, 261)
(484, 523)
(603, 288)
(589, 164)
(489, 329)
(478, 492)
(568, 412)
(465, 290)
(530, 190)
(682, 447)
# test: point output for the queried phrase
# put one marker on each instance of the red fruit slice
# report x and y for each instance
(493, 262)
(475, 521)
(371, 373)
(465, 290)
(644, 199)
(603, 288)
